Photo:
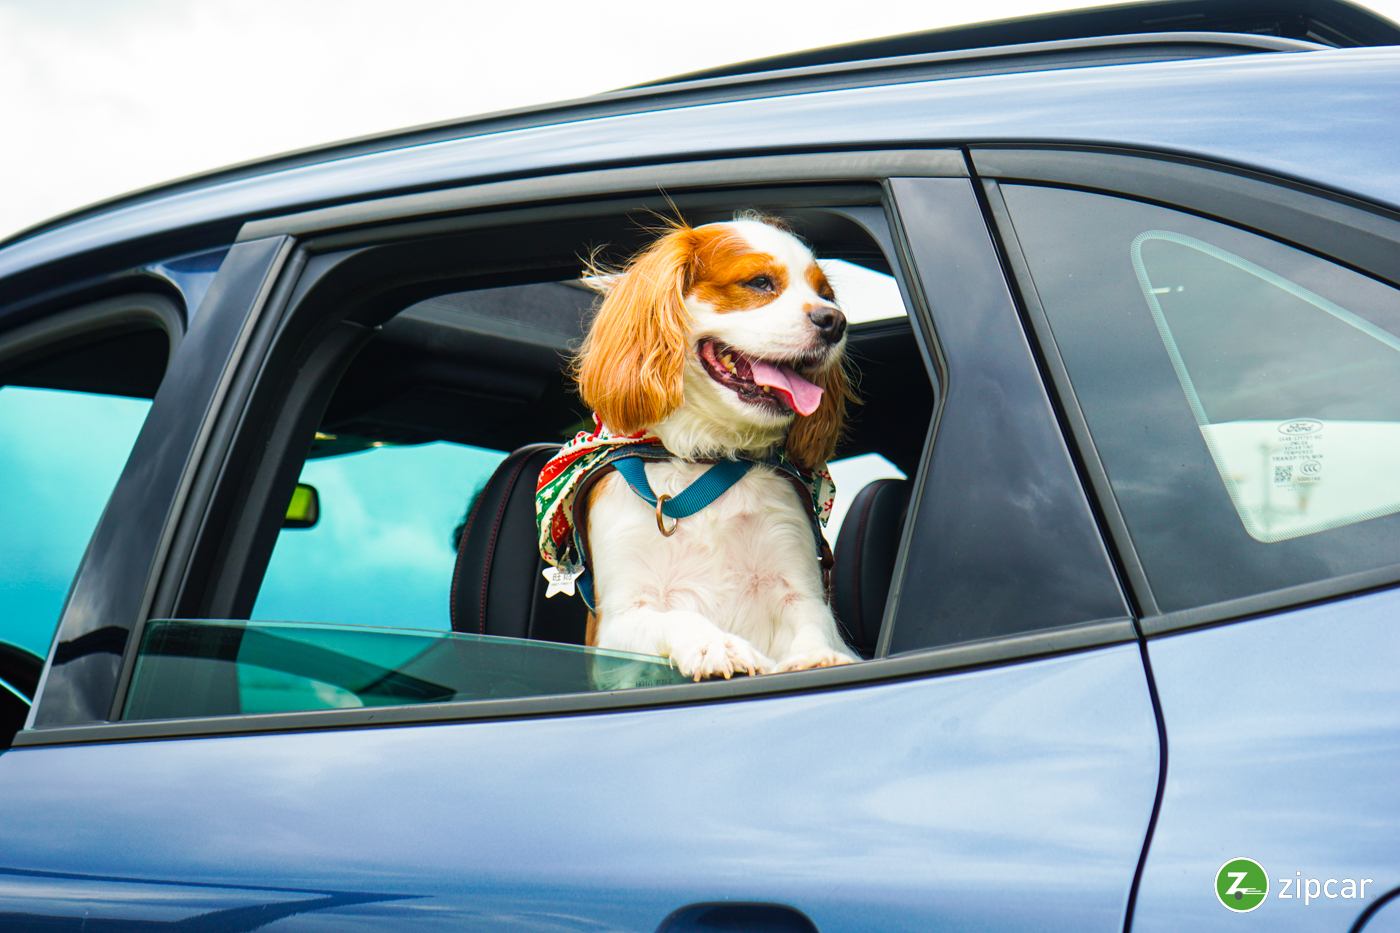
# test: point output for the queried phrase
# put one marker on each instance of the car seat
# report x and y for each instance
(865, 554)
(498, 584)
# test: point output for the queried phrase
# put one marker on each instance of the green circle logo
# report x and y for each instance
(1242, 884)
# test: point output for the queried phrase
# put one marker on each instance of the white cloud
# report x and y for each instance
(103, 97)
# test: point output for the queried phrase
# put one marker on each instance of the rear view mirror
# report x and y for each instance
(304, 511)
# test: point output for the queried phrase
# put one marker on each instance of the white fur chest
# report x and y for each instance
(744, 562)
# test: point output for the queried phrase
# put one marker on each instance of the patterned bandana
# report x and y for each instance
(560, 543)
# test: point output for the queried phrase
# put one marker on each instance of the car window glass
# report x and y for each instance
(214, 668)
(1244, 395)
(60, 456)
(1259, 359)
(382, 548)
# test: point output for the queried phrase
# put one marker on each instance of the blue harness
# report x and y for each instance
(708, 487)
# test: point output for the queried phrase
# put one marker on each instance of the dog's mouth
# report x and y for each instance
(775, 385)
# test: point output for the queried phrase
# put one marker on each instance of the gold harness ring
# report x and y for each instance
(661, 519)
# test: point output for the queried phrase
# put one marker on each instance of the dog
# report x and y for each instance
(722, 342)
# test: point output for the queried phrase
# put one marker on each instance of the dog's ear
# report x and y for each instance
(812, 440)
(631, 367)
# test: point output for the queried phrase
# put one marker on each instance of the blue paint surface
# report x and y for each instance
(1013, 798)
(1387, 919)
(192, 275)
(1283, 738)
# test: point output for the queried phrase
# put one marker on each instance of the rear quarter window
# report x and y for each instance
(1243, 395)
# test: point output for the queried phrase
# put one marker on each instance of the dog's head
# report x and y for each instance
(720, 338)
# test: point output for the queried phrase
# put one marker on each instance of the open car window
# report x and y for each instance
(381, 548)
(404, 564)
(391, 504)
(865, 294)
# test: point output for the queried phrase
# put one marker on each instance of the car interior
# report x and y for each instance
(422, 445)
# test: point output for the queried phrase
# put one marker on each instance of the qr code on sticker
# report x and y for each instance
(1283, 474)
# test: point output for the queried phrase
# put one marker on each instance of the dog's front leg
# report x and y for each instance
(808, 636)
(697, 646)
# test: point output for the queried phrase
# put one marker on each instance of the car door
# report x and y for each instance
(995, 764)
(1225, 347)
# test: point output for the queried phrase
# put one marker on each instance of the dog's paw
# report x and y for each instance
(811, 659)
(721, 656)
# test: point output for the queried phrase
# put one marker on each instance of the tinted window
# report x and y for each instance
(1244, 396)
(214, 668)
(60, 456)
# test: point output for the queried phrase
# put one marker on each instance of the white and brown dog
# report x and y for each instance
(723, 341)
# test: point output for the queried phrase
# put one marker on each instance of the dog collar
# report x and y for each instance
(706, 488)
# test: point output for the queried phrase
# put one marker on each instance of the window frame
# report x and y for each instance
(79, 327)
(113, 585)
(284, 355)
(1333, 226)
(92, 323)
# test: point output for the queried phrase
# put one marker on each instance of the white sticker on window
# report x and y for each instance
(1298, 477)
(1292, 393)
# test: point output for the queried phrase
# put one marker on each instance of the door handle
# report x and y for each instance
(737, 917)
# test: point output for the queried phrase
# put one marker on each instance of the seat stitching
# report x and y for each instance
(457, 570)
(491, 542)
(860, 553)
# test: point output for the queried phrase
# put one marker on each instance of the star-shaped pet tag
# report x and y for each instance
(561, 580)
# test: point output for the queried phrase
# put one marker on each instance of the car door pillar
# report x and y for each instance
(83, 676)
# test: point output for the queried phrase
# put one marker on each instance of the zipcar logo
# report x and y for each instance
(1241, 884)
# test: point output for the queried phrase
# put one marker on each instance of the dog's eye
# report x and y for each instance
(761, 282)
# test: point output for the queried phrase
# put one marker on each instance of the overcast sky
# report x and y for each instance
(105, 96)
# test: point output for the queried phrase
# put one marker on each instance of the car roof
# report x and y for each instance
(1191, 93)
(1333, 23)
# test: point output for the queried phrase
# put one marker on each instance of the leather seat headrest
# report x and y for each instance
(498, 584)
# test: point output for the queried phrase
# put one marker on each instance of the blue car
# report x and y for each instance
(1117, 534)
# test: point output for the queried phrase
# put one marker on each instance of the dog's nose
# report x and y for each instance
(830, 322)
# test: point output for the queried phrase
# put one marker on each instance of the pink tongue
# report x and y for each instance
(800, 395)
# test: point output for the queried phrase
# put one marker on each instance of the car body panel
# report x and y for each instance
(1326, 116)
(1283, 734)
(1012, 798)
(112, 582)
(1387, 918)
